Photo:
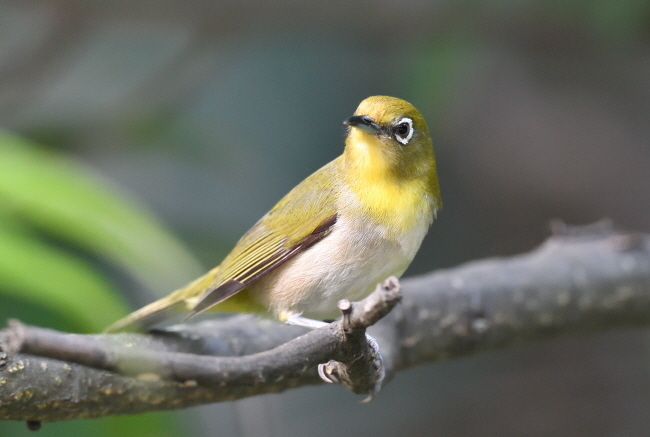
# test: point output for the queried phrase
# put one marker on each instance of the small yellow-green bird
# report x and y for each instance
(345, 228)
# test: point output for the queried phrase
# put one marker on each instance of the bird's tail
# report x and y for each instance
(180, 300)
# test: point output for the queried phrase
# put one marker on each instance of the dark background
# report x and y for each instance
(208, 112)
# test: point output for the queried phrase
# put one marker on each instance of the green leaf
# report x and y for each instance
(67, 200)
(40, 273)
(54, 212)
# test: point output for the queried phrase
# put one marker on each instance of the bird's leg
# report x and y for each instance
(297, 320)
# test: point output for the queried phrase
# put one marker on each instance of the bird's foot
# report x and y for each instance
(337, 372)
(328, 371)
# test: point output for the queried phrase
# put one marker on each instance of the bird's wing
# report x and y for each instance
(300, 219)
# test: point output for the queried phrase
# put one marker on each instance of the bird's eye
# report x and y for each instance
(403, 130)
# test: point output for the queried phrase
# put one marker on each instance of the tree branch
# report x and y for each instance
(581, 280)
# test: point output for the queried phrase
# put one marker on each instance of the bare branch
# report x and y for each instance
(583, 281)
(590, 279)
(160, 366)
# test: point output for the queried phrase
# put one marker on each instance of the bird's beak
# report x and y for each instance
(363, 122)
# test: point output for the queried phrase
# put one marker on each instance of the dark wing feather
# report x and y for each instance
(266, 265)
(300, 219)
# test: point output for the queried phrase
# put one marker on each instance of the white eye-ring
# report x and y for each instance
(403, 130)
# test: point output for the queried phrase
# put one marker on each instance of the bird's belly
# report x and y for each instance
(348, 263)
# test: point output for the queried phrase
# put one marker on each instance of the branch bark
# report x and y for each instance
(582, 280)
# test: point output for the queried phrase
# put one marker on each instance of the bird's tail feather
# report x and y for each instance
(180, 300)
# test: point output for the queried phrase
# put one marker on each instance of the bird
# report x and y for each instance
(354, 222)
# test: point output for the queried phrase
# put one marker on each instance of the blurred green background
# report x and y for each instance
(143, 138)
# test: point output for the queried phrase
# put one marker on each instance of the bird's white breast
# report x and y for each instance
(347, 263)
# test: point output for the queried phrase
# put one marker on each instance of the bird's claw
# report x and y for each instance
(326, 372)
